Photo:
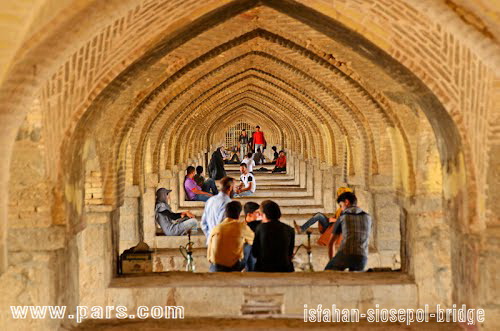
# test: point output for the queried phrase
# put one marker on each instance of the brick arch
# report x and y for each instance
(457, 158)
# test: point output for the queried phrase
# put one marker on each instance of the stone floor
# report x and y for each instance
(253, 323)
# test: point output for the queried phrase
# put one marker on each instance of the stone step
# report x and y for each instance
(199, 240)
(306, 211)
(283, 202)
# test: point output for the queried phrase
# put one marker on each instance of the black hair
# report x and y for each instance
(348, 196)
(233, 210)
(271, 209)
(274, 148)
(257, 127)
(189, 170)
(250, 207)
(249, 154)
(243, 164)
(199, 169)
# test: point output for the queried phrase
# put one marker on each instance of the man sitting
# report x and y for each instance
(258, 157)
(355, 225)
(227, 239)
(249, 161)
(280, 163)
(253, 220)
(193, 191)
(207, 185)
(248, 185)
(274, 241)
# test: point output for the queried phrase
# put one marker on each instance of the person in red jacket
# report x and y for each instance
(258, 140)
(280, 162)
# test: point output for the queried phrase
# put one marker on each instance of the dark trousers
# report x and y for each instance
(238, 266)
(342, 261)
(279, 169)
(209, 186)
(248, 258)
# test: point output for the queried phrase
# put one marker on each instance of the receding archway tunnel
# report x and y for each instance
(345, 110)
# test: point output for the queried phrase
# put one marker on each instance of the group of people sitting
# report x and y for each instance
(261, 242)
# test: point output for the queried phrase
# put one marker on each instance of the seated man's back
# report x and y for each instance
(273, 246)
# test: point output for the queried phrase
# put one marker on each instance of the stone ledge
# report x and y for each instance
(229, 279)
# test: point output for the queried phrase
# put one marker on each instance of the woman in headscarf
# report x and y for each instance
(172, 224)
(216, 166)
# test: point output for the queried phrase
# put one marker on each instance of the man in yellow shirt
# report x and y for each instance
(227, 240)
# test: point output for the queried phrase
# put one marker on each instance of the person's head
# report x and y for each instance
(274, 148)
(346, 200)
(343, 189)
(257, 128)
(282, 153)
(162, 195)
(244, 132)
(233, 210)
(270, 211)
(190, 172)
(258, 150)
(227, 186)
(243, 168)
(199, 170)
(249, 155)
(252, 212)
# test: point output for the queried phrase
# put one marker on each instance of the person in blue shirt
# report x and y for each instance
(215, 207)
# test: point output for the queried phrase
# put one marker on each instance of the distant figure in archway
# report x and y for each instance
(172, 224)
(207, 185)
(248, 159)
(275, 154)
(355, 225)
(216, 166)
(280, 163)
(258, 140)
(243, 143)
(258, 157)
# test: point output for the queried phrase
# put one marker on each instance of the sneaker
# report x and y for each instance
(297, 227)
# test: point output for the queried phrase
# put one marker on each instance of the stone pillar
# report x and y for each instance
(386, 216)
(95, 260)
(148, 209)
(430, 250)
(129, 219)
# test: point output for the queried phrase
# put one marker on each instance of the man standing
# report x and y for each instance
(227, 240)
(193, 191)
(258, 140)
(247, 185)
(355, 225)
(243, 143)
(216, 206)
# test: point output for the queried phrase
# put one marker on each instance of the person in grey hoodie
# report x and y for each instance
(355, 225)
(172, 224)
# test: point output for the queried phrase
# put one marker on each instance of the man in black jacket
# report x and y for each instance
(274, 241)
